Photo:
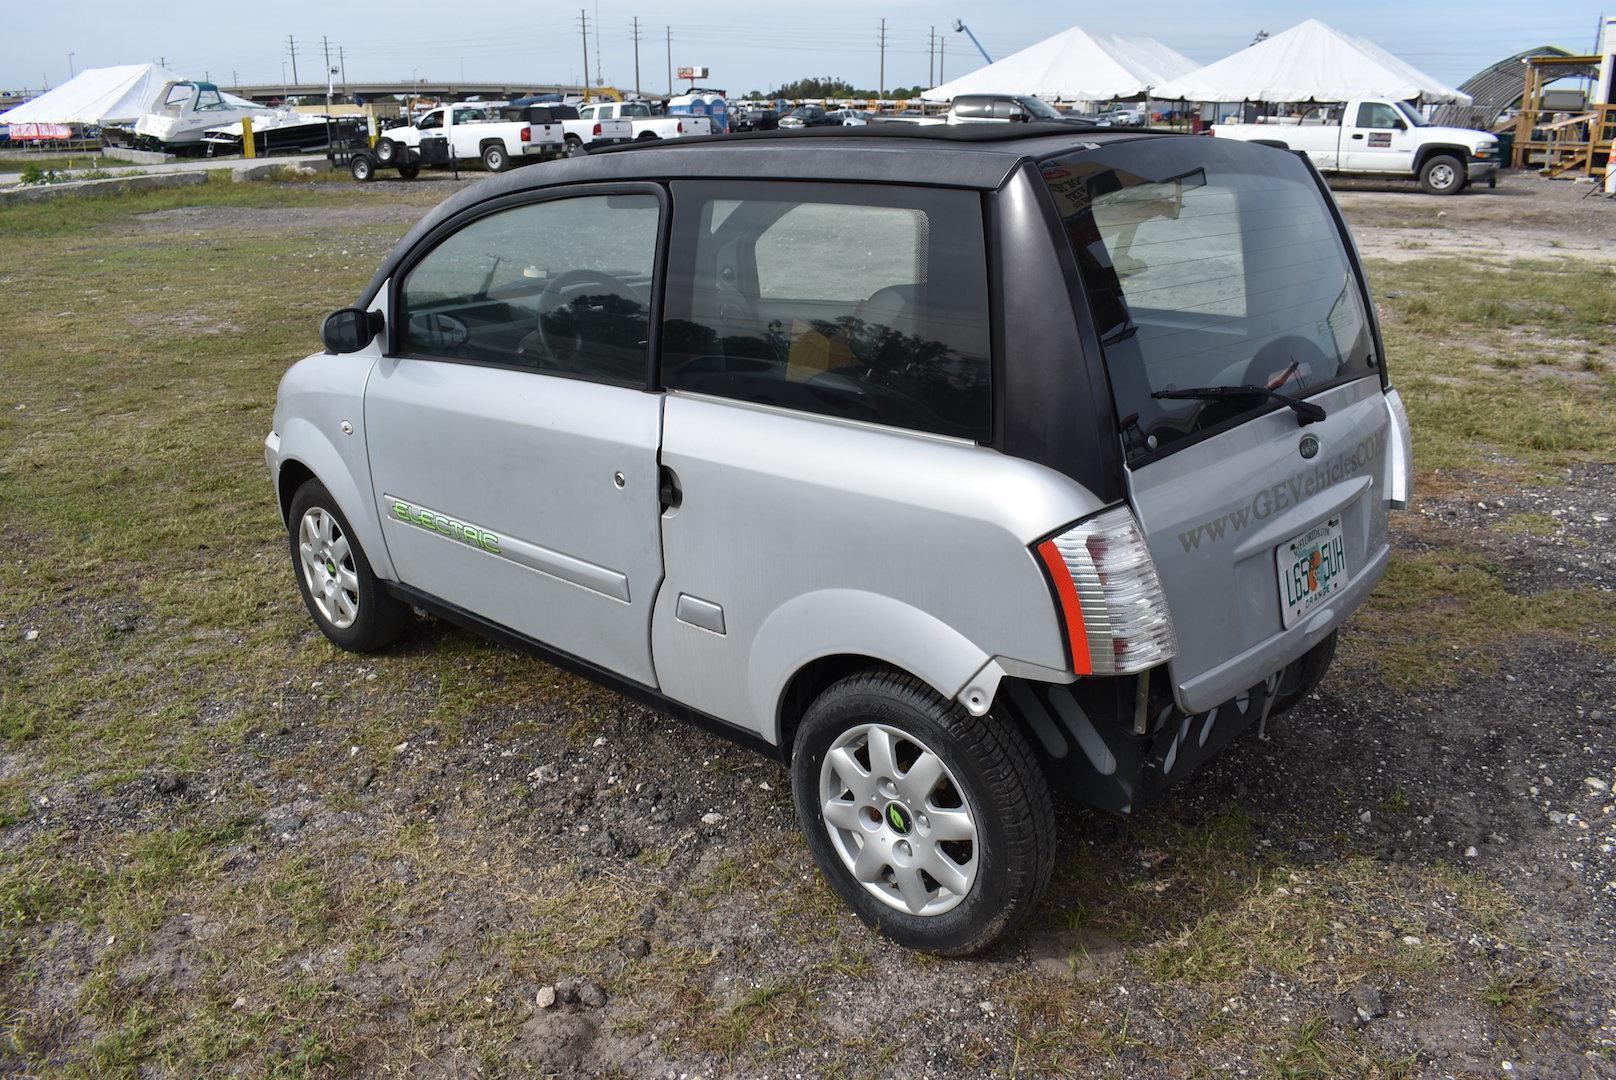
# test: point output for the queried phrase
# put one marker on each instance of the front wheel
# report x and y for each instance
(1443, 175)
(346, 598)
(934, 826)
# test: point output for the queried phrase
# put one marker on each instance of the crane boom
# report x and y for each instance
(959, 26)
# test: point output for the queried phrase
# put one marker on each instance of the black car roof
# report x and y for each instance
(979, 156)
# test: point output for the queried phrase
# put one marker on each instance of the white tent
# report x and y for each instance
(1073, 65)
(109, 95)
(1310, 62)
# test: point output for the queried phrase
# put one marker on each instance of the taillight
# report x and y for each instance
(597, 129)
(527, 134)
(1111, 600)
(679, 128)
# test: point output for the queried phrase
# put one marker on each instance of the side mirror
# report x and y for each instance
(1399, 125)
(348, 330)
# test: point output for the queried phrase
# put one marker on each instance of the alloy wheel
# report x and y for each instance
(328, 567)
(898, 819)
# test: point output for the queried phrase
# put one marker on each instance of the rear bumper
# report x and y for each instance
(1248, 668)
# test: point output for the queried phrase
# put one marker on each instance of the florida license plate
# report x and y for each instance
(1312, 568)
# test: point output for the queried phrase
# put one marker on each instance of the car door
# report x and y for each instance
(512, 442)
(1379, 140)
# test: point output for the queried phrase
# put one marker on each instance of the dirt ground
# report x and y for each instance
(446, 860)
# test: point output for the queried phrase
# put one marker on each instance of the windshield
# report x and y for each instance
(1208, 265)
(1039, 109)
(1413, 114)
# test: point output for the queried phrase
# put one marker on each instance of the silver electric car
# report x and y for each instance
(948, 465)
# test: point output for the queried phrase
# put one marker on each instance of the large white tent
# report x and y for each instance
(109, 95)
(1310, 62)
(1073, 65)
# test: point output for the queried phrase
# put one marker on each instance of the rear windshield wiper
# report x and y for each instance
(1306, 411)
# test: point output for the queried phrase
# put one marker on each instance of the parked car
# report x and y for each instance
(1380, 138)
(1001, 109)
(753, 119)
(809, 116)
(643, 123)
(1125, 118)
(641, 413)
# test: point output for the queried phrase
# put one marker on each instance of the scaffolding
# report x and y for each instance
(1556, 143)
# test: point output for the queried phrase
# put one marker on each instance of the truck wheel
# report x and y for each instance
(362, 168)
(1444, 174)
(575, 145)
(494, 159)
(933, 825)
(344, 595)
(410, 171)
(644, 135)
(386, 151)
(1304, 676)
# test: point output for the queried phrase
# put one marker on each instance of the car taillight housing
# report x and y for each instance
(597, 129)
(527, 134)
(1111, 600)
(679, 127)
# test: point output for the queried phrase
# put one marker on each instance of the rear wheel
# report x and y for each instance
(362, 168)
(934, 826)
(348, 601)
(494, 158)
(644, 135)
(1443, 175)
(410, 171)
(575, 145)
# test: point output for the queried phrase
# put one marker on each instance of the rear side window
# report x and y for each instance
(868, 303)
(1208, 264)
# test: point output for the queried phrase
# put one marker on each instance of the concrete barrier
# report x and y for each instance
(117, 185)
(136, 157)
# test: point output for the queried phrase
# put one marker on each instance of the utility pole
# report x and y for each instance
(636, 56)
(291, 45)
(583, 28)
(942, 47)
(931, 58)
(342, 62)
(670, 61)
(883, 87)
(600, 69)
(235, 80)
(162, 61)
(70, 71)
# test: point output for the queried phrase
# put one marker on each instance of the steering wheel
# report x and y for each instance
(557, 348)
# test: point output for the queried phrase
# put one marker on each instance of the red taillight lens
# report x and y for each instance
(597, 129)
(680, 127)
(527, 134)
(1111, 600)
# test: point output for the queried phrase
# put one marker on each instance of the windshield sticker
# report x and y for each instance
(1276, 498)
(442, 524)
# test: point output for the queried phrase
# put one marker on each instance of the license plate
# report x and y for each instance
(1312, 568)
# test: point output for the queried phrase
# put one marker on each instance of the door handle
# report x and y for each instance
(1359, 135)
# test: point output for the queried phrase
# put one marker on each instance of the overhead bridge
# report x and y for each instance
(441, 89)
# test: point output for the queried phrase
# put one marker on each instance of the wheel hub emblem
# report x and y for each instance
(898, 818)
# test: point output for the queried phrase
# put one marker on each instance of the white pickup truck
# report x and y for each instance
(647, 126)
(582, 133)
(1379, 138)
(472, 132)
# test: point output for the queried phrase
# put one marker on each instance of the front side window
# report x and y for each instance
(1208, 266)
(1379, 116)
(561, 287)
(867, 303)
(429, 121)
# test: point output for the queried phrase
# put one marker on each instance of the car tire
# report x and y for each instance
(988, 786)
(1444, 174)
(1303, 677)
(362, 169)
(495, 159)
(410, 171)
(357, 613)
(386, 151)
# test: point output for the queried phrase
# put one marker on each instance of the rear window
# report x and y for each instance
(1208, 265)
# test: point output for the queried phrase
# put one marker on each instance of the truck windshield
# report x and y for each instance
(1413, 114)
(1207, 264)
(1039, 110)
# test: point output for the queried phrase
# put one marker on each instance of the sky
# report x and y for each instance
(747, 46)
